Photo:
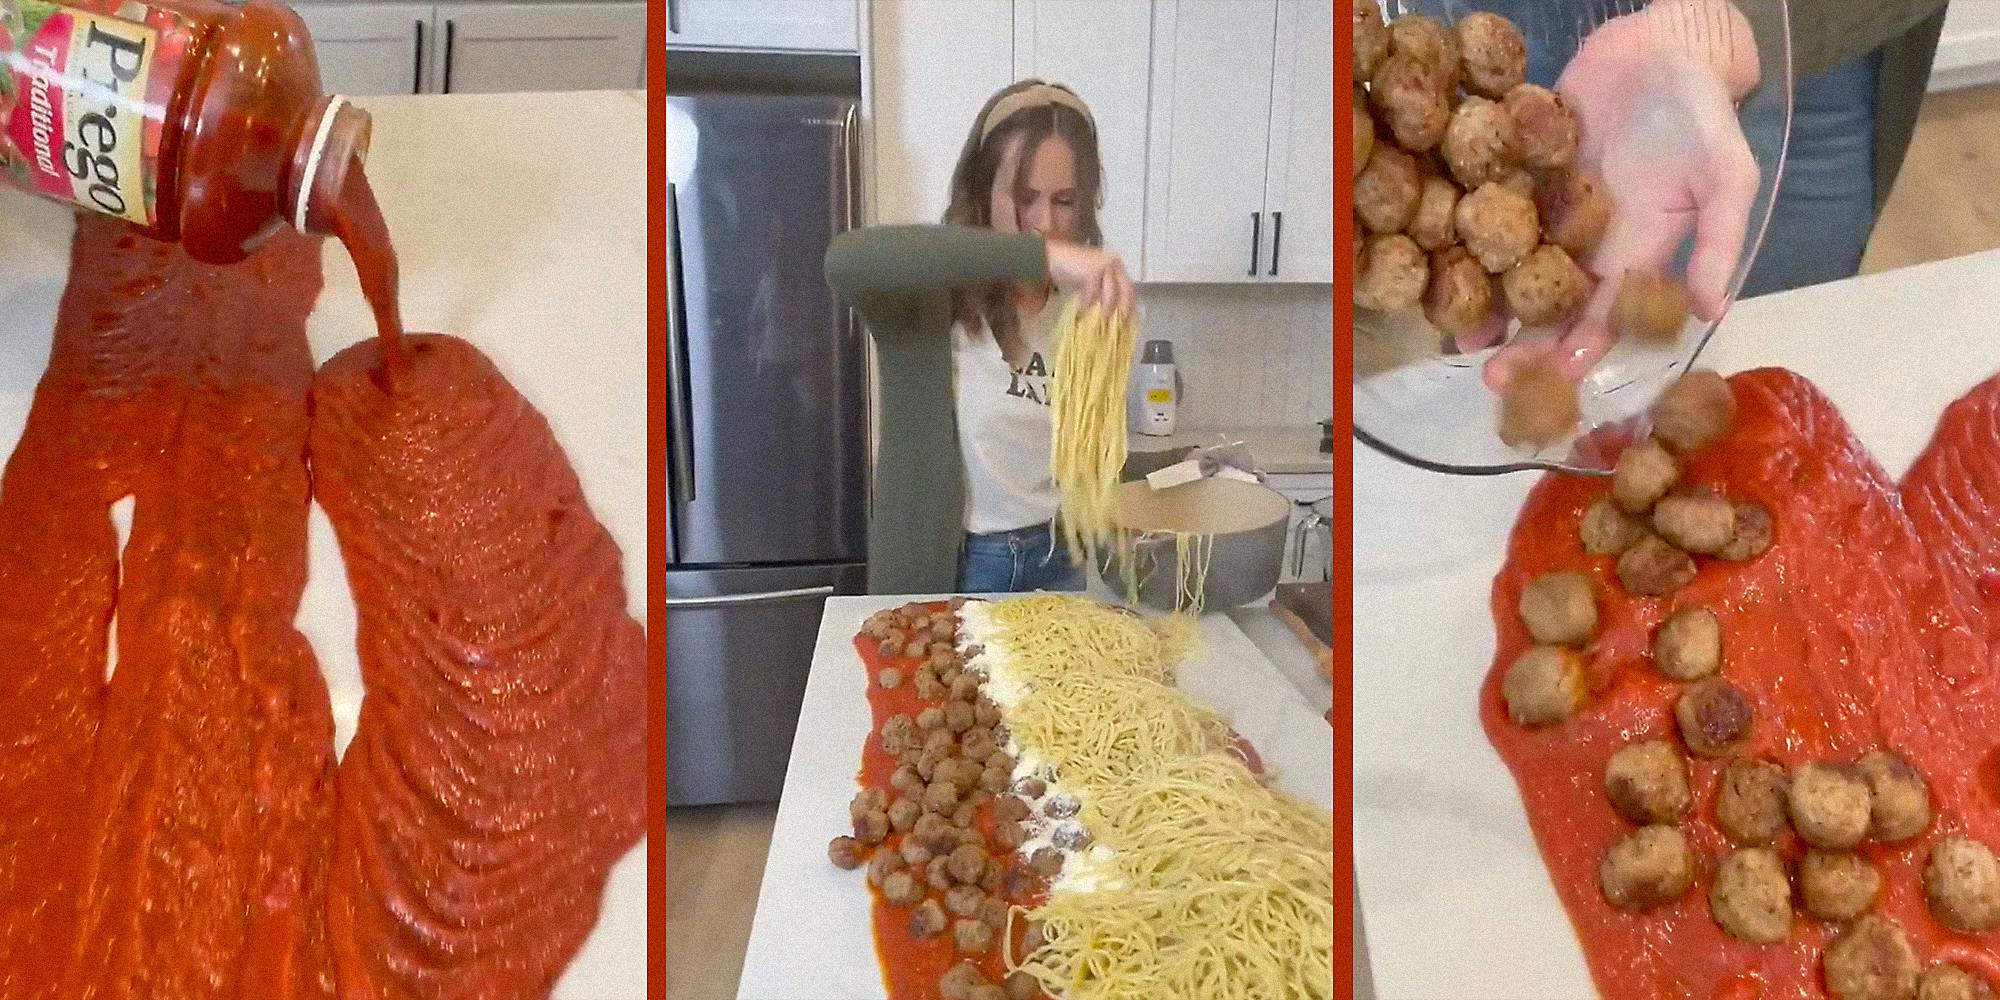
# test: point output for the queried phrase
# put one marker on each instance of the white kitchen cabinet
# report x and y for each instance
(1211, 86)
(1299, 187)
(1242, 99)
(1102, 50)
(933, 65)
(766, 25)
(477, 47)
(370, 49)
(487, 48)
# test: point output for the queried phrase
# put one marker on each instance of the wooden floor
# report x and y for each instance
(715, 863)
(1946, 203)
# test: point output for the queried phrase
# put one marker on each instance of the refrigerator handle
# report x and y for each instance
(680, 433)
(768, 597)
(850, 155)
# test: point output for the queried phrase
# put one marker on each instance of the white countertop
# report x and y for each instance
(812, 938)
(535, 257)
(1890, 350)
(1279, 450)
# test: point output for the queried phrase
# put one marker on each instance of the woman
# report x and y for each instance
(964, 320)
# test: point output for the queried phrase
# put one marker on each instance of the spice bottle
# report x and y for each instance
(198, 122)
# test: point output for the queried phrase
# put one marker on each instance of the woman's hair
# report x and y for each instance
(979, 163)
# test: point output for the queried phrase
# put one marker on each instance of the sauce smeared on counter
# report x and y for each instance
(179, 827)
(911, 965)
(1866, 625)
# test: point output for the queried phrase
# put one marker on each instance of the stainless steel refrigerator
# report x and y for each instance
(767, 427)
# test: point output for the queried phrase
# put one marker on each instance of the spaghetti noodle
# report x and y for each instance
(1087, 404)
(1199, 881)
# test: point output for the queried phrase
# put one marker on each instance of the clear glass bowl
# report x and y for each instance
(1419, 403)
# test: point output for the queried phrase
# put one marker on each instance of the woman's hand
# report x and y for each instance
(1095, 276)
(1653, 93)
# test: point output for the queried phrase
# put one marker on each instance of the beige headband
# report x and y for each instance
(1038, 96)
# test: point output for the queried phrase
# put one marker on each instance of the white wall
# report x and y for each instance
(1969, 52)
(1249, 355)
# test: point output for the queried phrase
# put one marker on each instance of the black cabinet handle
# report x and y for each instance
(1256, 239)
(1277, 233)
(417, 80)
(450, 36)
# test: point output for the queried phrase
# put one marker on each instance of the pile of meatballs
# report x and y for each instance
(942, 842)
(1655, 528)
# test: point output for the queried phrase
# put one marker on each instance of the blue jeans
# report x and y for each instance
(1025, 559)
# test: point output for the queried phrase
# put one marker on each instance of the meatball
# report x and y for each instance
(1022, 986)
(965, 688)
(1695, 410)
(903, 814)
(1714, 717)
(1538, 408)
(844, 852)
(1698, 522)
(941, 797)
(1431, 221)
(1750, 803)
(959, 716)
(871, 827)
(1751, 898)
(1608, 531)
(1364, 132)
(1519, 181)
(1393, 274)
(1009, 835)
(1546, 126)
(987, 992)
(916, 853)
(1061, 805)
(907, 782)
(1371, 39)
(1493, 56)
(1046, 861)
(927, 919)
(1642, 475)
(993, 781)
(1688, 646)
(963, 900)
(1829, 805)
(1410, 98)
(1753, 534)
(1559, 608)
(958, 982)
(937, 874)
(890, 677)
(1946, 981)
(993, 912)
(902, 889)
(1575, 211)
(882, 865)
(936, 833)
(1428, 42)
(1544, 685)
(1899, 802)
(1648, 782)
(1479, 142)
(967, 863)
(1653, 568)
(1650, 307)
(866, 801)
(1459, 298)
(1837, 886)
(1010, 807)
(971, 937)
(1648, 868)
(1871, 960)
(1498, 225)
(1070, 837)
(1546, 288)
(1962, 884)
(940, 742)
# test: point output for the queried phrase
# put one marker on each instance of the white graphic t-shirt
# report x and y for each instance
(1003, 425)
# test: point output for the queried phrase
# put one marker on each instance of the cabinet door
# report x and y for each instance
(490, 48)
(1299, 187)
(767, 25)
(1102, 50)
(927, 93)
(1211, 121)
(368, 49)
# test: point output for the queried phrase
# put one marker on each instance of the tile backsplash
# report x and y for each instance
(1248, 355)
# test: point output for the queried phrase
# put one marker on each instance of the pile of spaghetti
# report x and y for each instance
(1087, 411)
(1201, 881)
(1087, 451)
